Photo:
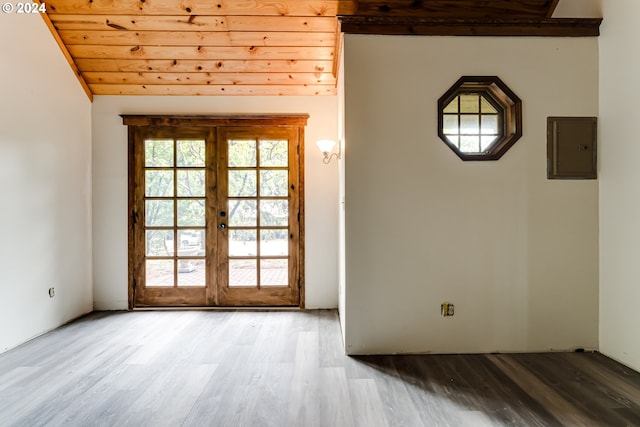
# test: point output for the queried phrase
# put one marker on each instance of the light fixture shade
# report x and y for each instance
(326, 145)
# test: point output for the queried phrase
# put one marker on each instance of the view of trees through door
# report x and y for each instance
(175, 212)
(215, 212)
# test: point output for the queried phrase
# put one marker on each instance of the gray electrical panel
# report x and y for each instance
(571, 147)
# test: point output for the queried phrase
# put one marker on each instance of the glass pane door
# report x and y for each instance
(215, 215)
(258, 189)
(175, 200)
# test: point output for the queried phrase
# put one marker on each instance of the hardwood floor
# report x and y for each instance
(241, 368)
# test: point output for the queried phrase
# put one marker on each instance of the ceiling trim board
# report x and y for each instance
(420, 26)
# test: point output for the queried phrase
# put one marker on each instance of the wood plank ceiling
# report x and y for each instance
(231, 47)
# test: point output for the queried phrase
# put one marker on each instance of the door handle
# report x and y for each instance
(222, 226)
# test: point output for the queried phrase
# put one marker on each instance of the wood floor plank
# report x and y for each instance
(116, 394)
(565, 411)
(155, 344)
(500, 389)
(16, 375)
(366, 406)
(399, 410)
(609, 377)
(573, 384)
(428, 389)
(480, 409)
(268, 389)
(476, 419)
(287, 368)
(335, 406)
(304, 408)
(57, 386)
(331, 348)
(170, 397)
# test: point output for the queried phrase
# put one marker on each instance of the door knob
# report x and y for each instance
(222, 226)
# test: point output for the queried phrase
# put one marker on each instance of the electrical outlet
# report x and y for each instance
(52, 292)
(446, 309)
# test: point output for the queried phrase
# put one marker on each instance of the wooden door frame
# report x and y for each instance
(136, 123)
(192, 296)
(235, 296)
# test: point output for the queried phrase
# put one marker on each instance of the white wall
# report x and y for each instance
(619, 178)
(341, 208)
(110, 186)
(516, 253)
(578, 9)
(45, 183)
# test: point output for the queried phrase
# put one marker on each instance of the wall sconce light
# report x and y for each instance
(326, 148)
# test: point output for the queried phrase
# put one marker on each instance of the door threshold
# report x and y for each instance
(208, 308)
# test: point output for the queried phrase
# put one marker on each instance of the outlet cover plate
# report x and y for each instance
(446, 309)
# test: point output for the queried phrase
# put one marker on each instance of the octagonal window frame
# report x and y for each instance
(507, 104)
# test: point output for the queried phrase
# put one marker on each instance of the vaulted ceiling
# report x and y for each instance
(249, 47)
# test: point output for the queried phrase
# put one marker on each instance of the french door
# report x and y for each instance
(215, 215)
(258, 243)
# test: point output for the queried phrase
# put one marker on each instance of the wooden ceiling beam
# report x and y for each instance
(214, 78)
(337, 49)
(199, 52)
(457, 8)
(110, 22)
(202, 7)
(320, 24)
(191, 38)
(543, 27)
(196, 23)
(206, 66)
(209, 120)
(207, 90)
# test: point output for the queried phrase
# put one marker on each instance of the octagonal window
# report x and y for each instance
(479, 118)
